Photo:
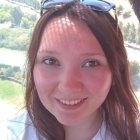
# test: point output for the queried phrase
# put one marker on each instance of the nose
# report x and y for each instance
(70, 81)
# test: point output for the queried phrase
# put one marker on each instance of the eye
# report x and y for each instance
(90, 63)
(51, 61)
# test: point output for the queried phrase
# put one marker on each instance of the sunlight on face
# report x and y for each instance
(71, 73)
(59, 26)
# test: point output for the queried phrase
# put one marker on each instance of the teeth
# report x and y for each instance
(71, 102)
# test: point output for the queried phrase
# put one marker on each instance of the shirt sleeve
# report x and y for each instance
(18, 128)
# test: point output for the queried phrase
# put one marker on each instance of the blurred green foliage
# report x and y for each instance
(135, 74)
(12, 73)
(11, 92)
(14, 38)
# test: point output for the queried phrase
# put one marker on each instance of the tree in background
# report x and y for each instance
(4, 13)
(15, 38)
(126, 29)
(28, 21)
(127, 13)
(132, 34)
(135, 74)
(138, 36)
(16, 14)
(33, 3)
(119, 9)
(13, 73)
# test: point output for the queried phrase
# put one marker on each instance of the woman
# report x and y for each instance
(78, 85)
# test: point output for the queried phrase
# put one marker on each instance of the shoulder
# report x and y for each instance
(19, 127)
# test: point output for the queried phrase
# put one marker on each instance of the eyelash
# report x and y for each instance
(86, 64)
(90, 63)
(51, 61)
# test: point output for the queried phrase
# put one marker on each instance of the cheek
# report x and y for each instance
(43, 77)
(45, 81)
(45, 85)
(99, 82)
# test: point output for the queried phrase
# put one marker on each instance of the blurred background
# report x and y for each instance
(17, 20)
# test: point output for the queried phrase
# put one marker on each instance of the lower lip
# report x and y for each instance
(70, 107)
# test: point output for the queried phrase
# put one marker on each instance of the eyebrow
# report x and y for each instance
(48, 52)
(92, 54)
(51, 52)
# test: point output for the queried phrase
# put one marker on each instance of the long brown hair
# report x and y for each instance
(120, 106)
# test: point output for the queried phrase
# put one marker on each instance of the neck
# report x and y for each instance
(85, 130)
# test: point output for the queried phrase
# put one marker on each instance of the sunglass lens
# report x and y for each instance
(98, 5)
(50, 3)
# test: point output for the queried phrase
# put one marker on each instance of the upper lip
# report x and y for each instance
(71, 101)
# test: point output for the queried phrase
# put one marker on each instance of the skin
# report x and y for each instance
(71, 67)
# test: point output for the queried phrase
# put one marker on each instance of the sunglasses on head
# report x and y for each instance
(95, 5)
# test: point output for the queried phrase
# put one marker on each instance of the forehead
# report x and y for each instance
(57, 31)
(65, 32)
(59, 24)
(63, 25)
(64, 28)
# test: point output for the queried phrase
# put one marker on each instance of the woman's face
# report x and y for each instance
(71, 74)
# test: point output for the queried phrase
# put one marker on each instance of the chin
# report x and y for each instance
(69, 121)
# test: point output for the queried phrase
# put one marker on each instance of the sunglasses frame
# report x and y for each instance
(46, 4)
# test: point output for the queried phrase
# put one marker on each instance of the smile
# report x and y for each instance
(71, 102)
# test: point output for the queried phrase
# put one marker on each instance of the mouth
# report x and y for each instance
(71, 102)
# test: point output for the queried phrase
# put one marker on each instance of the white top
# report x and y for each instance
(21, 128)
